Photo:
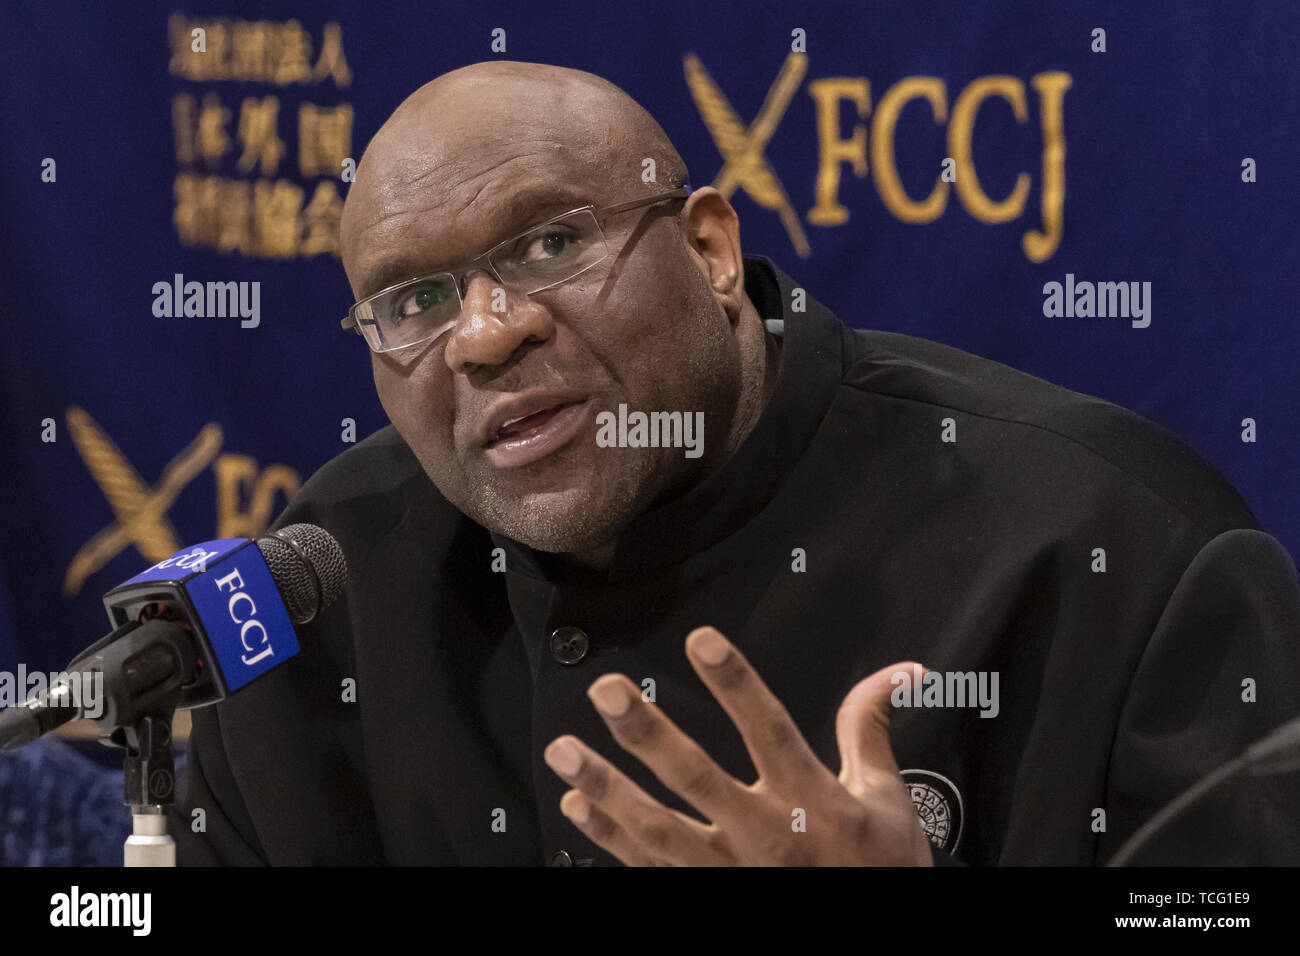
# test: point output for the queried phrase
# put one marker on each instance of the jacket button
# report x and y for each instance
(569, 645)
(561, 858)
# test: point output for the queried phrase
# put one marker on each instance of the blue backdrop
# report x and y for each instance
(129, 157)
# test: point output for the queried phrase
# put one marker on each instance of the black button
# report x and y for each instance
(569, 645)
(561, 858)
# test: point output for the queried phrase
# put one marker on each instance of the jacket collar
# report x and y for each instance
(812, 366)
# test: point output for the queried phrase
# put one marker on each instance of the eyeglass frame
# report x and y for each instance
(350, 320)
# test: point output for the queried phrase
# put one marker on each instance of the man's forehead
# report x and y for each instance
(468, 163)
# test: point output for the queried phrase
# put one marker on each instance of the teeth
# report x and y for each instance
(528, 415)
(519, 419)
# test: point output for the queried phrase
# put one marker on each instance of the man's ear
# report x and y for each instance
(712, 231)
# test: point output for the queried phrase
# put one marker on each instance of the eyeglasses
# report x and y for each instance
(544, 256)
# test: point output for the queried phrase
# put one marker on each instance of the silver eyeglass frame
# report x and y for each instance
(483, 262)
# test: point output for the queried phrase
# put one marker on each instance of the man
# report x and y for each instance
(1089, 597)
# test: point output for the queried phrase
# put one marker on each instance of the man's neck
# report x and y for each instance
(758, 383)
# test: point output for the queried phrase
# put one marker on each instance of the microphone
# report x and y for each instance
(196, 627)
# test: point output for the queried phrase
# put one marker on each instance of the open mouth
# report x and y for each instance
(528, 425)
(529, 438)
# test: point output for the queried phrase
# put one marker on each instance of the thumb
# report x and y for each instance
(862, 725)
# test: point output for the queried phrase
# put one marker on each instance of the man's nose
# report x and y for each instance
(494, 322)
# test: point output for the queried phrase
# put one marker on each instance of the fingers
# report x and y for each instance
(643, 730)
(617, 815)
(862, 728)
(780, 753)
(745, 821)
(600, 829)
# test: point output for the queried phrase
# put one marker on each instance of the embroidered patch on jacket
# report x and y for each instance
(938, 804)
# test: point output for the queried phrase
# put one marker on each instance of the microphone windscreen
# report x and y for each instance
(308, 567)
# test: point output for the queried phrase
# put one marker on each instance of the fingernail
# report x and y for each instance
(578, 809)
(610, 696)
(710, 646)
(563, 757)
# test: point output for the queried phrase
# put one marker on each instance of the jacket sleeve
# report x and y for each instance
(227, 837)
(943, 858)
(1220, 671)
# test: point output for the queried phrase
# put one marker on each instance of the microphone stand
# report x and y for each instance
(153, 661)
(149, 785)
(1278, 752)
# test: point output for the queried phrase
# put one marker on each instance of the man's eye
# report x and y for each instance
(549, 245)
(421, 300)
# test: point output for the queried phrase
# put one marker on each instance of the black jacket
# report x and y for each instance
(1117, 688)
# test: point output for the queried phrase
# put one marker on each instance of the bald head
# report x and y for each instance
(450, 136)
(500, 403)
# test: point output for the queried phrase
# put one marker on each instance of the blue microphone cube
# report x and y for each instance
(225, 592)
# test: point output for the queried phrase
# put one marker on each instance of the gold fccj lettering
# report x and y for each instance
(873, 151)
(836, 151)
